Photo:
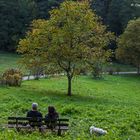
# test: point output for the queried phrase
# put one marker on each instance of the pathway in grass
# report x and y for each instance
(112, 103)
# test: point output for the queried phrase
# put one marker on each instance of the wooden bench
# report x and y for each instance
(29, 123)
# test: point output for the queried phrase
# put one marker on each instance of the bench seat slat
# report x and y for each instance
(66, 120)
(23, 123)
(18, 118)
(44, 127)
(19, 126)
(63, 124)
(62, 127)
(56, 128)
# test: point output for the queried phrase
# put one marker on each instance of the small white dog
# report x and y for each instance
(98, 131)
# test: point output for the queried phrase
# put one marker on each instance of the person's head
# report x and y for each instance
(34, 106)
(51, 109)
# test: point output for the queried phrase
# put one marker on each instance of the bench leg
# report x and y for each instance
(59, 132)
(41, 130)
(18, 129)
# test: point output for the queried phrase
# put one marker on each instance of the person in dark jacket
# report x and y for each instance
(34, 115)
(51, 117)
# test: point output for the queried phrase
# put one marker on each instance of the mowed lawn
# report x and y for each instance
(112, 104)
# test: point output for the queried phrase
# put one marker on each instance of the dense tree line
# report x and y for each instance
(116, 13)
(44, 6)
(129, 44)
(16, 16)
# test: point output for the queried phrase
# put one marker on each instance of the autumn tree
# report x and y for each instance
(99, 53)
(66, 39)
(97, 59)
(77, 32)
(129, 44)
(34, 56)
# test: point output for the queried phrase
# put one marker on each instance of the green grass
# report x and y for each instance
(112, 104)
(8, 60)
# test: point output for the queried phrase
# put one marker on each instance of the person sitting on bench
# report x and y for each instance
(35, 115)
(51, 117)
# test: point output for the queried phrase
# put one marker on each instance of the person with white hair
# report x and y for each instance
(34, 114)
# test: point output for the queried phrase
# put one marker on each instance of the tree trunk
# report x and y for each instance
(69, 85)
(138, 70)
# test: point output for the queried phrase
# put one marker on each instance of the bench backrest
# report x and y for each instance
(35, 121)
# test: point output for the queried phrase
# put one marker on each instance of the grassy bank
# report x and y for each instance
(112, 104)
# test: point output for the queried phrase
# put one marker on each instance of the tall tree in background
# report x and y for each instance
(101, 8)
(120, 12)
(34, 55)
(116, 13)
(129, 44)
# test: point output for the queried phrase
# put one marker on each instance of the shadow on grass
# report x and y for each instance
(29, 94)
(78, 99)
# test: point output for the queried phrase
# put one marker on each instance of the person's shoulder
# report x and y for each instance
(47, 115)
(56, 113)
(30, 111)
(39, 113)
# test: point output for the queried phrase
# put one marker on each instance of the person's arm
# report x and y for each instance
(41, 115)
(46, 117)
(57, 115)
(28, 114)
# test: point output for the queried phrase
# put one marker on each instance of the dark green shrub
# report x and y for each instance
(97, 72)
(110, 71)
(118, 70)
(11, 77)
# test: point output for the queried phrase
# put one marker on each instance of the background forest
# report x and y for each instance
(16, 16)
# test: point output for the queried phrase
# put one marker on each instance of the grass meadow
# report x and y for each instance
(112, 103)
(8, 60)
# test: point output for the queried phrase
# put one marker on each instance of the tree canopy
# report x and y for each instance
(66, 39)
